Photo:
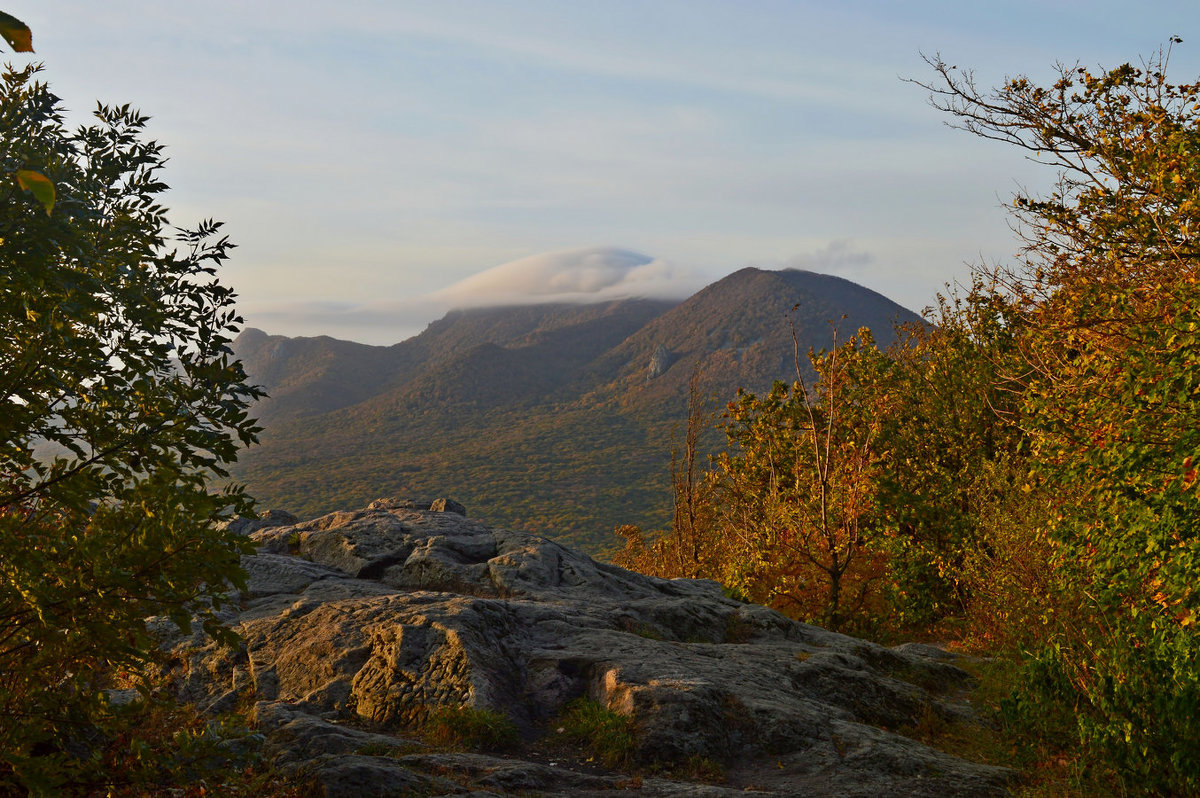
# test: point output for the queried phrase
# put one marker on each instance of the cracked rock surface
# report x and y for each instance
(358, 625)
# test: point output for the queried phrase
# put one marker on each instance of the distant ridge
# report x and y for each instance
(308, 376)
(558, 415)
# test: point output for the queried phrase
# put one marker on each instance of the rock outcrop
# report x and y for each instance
(358, 625)
(660, 361)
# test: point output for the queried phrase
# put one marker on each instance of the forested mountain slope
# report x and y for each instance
(555, 417)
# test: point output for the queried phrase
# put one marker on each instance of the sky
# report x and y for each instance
(378, 163)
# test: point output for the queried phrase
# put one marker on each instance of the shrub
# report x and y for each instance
(1107, 291)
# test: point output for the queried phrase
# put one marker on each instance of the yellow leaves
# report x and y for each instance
(39, 185)
(1186, 617)
(16, 33)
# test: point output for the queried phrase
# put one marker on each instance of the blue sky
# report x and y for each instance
(369, 156)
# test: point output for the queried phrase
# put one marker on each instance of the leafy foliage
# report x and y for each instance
(16, 33)
(786, 514)
(119, 400)
(798, 491)
(1107, 294)
(157, 747)
(952, 449)
(608, 734)
(471, 728)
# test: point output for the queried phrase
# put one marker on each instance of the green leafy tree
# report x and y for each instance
(1107, 292)
(119, 401)
(947, 418)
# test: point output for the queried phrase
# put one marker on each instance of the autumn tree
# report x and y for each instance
(119, 401)
(948, 429)
(797, 492)
(1106, 288)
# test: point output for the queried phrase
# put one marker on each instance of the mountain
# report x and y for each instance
(310, 376)
(739, 330)
(562, 414)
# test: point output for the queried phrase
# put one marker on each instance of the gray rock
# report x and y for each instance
(379, 616)
(660, 361)
(244, 526)
(447, 506)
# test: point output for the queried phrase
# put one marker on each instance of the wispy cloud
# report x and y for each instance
(379, 323)
(590, 274)
(837, 257)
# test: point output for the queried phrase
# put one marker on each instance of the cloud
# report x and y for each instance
(837, 257)
(592, 274)
(377, 323)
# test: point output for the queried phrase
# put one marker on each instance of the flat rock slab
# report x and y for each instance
(377, 618)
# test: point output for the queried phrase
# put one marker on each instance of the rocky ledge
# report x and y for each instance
(358, 626)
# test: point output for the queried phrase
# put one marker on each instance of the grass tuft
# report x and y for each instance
(468, 727)
(608, 734)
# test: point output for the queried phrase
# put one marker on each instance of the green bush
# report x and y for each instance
(119, 401)
(1107, 292)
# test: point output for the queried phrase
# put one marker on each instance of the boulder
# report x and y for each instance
(357, 626)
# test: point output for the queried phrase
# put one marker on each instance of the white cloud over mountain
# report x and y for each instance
(590, 274)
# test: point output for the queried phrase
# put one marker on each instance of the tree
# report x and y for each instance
(797, 490)
(119, 402)
(1107, 292)
(691, 549)
(948, 421)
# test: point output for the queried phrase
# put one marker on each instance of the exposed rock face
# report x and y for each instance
(660, 361)
(373, 618)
